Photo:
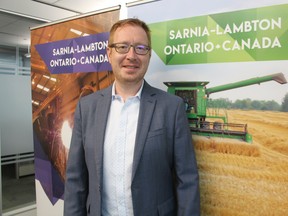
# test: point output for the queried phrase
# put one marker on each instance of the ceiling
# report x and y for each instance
(17, 17)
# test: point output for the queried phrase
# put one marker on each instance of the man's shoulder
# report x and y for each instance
(93, 97)
(161, 94)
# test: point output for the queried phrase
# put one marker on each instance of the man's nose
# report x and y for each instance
(131, 53)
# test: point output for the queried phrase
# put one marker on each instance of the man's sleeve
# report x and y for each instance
(76, 186)
(187, 177)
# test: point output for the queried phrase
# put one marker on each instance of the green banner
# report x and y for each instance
(259, 34)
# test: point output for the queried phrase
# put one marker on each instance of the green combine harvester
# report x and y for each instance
(195, 96)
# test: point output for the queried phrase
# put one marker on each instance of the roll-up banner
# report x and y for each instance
(229, 62)
(68, 61)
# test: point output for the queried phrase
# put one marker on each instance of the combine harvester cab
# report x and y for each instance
(195, 96)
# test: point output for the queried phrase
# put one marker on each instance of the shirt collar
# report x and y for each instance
(138, 94)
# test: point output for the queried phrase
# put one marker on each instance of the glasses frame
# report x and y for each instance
(116, 46)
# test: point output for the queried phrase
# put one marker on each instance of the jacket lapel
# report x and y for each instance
(147, 105)
(102, 111)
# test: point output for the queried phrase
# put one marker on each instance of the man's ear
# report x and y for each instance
(109, 50)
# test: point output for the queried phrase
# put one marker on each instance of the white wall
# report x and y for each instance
(16, 114)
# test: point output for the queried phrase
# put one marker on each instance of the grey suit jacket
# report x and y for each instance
(164, 176)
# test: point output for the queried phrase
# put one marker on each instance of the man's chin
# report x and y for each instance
(132, 80)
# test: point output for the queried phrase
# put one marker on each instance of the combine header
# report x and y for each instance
(195, 95)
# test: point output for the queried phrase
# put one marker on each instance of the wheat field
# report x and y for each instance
(237, 178)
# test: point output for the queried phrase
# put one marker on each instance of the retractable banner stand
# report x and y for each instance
(68, 61)
(229, 62)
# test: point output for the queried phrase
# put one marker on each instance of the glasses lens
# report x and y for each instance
(122, 48)
(141, 49)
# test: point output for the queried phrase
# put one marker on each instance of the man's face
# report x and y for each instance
(129, 68)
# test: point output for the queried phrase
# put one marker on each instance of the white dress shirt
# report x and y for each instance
(117, 162)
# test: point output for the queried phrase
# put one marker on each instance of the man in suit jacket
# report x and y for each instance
(131, 151)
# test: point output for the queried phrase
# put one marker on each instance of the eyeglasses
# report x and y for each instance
(123, 48)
